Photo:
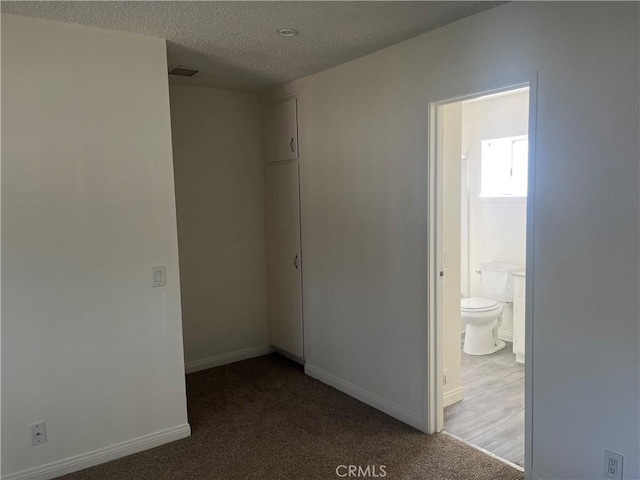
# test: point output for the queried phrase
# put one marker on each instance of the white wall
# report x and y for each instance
(497, 226)
(220, 204)
(363, 169)
(87, 208)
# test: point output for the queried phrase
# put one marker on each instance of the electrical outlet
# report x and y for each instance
(612, 465)
(38, 434)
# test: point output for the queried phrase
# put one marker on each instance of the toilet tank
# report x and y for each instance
(497, 280)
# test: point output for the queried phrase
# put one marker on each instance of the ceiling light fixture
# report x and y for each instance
(287, 32)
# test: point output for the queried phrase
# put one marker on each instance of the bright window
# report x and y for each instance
(504, 167)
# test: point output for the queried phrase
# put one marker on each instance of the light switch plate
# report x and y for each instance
(159, 276)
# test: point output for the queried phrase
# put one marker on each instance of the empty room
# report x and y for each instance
(320, 240)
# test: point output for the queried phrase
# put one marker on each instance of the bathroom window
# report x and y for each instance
(504, 167)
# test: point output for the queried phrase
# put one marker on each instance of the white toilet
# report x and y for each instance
(483, 316)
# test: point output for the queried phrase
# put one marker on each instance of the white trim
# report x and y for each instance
(505, 336)
(530, 268)
(205, 363)
(449, 93)
(496, 95)
(452, 396)
(433, 354)
(364, 396)
(101, 455)
(290, 356)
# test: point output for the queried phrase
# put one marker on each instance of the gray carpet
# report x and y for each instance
(264, 419)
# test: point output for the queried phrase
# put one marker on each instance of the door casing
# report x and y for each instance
(433, 351)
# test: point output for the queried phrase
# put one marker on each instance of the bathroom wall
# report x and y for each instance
(496, 226)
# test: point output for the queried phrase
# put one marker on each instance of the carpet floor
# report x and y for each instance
(265, 419)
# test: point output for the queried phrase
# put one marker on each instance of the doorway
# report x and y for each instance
(482, 175)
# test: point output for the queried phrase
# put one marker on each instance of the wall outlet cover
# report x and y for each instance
(38, 433)
(612, 465)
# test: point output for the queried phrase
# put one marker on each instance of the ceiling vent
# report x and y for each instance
(183, 71)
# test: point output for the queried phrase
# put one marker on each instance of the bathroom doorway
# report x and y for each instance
(482, 169)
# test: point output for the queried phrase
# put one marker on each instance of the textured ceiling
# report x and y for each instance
(235, 44)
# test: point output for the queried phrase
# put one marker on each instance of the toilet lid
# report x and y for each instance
(478, 304)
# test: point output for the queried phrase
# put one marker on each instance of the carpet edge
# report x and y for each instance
(101, 455)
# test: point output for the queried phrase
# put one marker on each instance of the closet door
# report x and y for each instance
(281, 131)
(284, 261)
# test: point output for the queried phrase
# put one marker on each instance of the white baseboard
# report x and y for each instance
(505, 336)
(364, 396)
(452, 396)
(290, 356)
(205, 363)
(102, 455)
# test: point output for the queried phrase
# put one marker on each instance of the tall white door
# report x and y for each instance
(284, 260)
(449, 154)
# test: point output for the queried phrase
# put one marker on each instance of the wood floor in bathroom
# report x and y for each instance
(491, 416)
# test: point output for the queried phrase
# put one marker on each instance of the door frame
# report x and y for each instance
(443, 96)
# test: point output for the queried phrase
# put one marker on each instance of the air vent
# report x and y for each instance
(183, 71)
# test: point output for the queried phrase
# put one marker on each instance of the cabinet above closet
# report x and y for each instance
(281, 131)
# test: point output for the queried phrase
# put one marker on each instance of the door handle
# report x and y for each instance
(291, 146)
(295, 262)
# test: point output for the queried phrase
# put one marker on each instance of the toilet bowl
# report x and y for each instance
(483, 317)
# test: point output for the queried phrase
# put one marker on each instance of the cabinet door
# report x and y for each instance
(284, 262)
(281, 131)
